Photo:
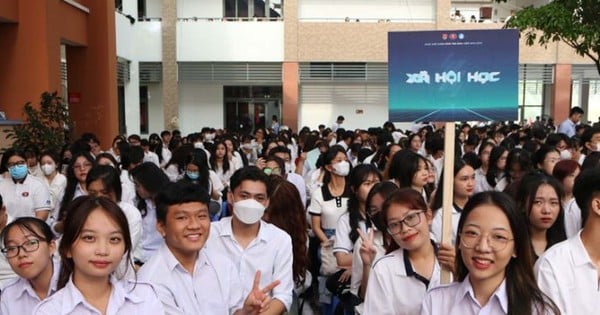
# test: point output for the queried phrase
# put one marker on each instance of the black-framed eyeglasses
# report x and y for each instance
(410, 220)
(28, 246)
(496, 241)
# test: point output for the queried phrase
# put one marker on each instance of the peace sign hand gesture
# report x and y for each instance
(258, 299)
(367, 248)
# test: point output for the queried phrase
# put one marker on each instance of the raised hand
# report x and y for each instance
(367, 248)
(258, 299)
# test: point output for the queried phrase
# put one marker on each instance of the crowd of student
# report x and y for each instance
(326, 221)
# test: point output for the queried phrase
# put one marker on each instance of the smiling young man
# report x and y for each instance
(253, 244)
(188, 278)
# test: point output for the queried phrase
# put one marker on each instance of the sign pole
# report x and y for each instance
(448, 192)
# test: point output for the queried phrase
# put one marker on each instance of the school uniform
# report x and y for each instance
(26, 198)
(459, 298)
(357, 263)
(126, 298)
(19, 297)
(151, 240)
(566, 273)
(328, 207)
(134, 221)
(436, 224)
(343, 243)
(395, 288)
(270, 252)
(573, 222)
(152, 158)
(213, 288)
(128, 188)
(56, 187)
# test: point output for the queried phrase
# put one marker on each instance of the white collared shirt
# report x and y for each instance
(343, 243)
(573, 222)
(19, 297)
(436, 224)
(566, 273)
(458, 298)
(126, 298)
(25, 199)
(56, 187)
(395, 288)
(128, 188)
(357, 263)
(270, 252)
(134, 220)
(151, 240)
(213, 288)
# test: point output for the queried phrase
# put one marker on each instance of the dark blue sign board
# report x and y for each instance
(466, 75)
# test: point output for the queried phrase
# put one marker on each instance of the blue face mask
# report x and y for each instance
(18, 172)
(192, 175)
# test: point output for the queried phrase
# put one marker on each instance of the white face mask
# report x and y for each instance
(198, 145)
(342, 168)
(565, 155)
(48, 169)
(249, 211)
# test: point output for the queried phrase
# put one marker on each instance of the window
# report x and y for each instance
(531, 96)
(271, 9)
(144, 110)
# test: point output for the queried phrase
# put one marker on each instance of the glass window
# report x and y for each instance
(531, 95)
(594, 101)
(253, 8)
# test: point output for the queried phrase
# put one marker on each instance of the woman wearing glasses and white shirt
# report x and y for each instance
(494, 267)
(399, 281)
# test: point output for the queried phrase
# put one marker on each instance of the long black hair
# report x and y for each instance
(357, 177)
(522, 290)
(152, 179)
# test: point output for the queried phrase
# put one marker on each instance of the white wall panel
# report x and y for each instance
(199, 8)
(229, 41)
(200, 106)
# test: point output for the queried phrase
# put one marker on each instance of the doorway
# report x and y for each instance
(248, 108)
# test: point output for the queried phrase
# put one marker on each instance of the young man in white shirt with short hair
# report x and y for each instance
(189, 278)
(253, 244)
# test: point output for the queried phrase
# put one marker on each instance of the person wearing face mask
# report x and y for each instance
(370, 246)
(251, 243)
(328, 204)
(197, 172)
(55, 181)
(24, 195)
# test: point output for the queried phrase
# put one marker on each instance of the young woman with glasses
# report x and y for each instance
(398, 281)
(28, 245)
(494, 268)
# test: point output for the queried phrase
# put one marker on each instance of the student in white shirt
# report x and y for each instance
(197, 171)
(95, 240)
(480, 173)
(410, 170)
(494, 178)
(253, 244)
(568, 272)
(81, 163)
(493, 264)
(539, 197)
(149, 181)
(189, 278)
(221, 161)
(566, 171)
(55, 181)
(464, 187)
(23, 194)
(104, 181)
(28, 245)
(288, 173)
(373, 246)
(149, 156)
(399, 280)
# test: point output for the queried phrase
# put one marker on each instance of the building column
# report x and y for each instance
(170, 88)
(290, 95)
(92, 74)
(561, 92)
